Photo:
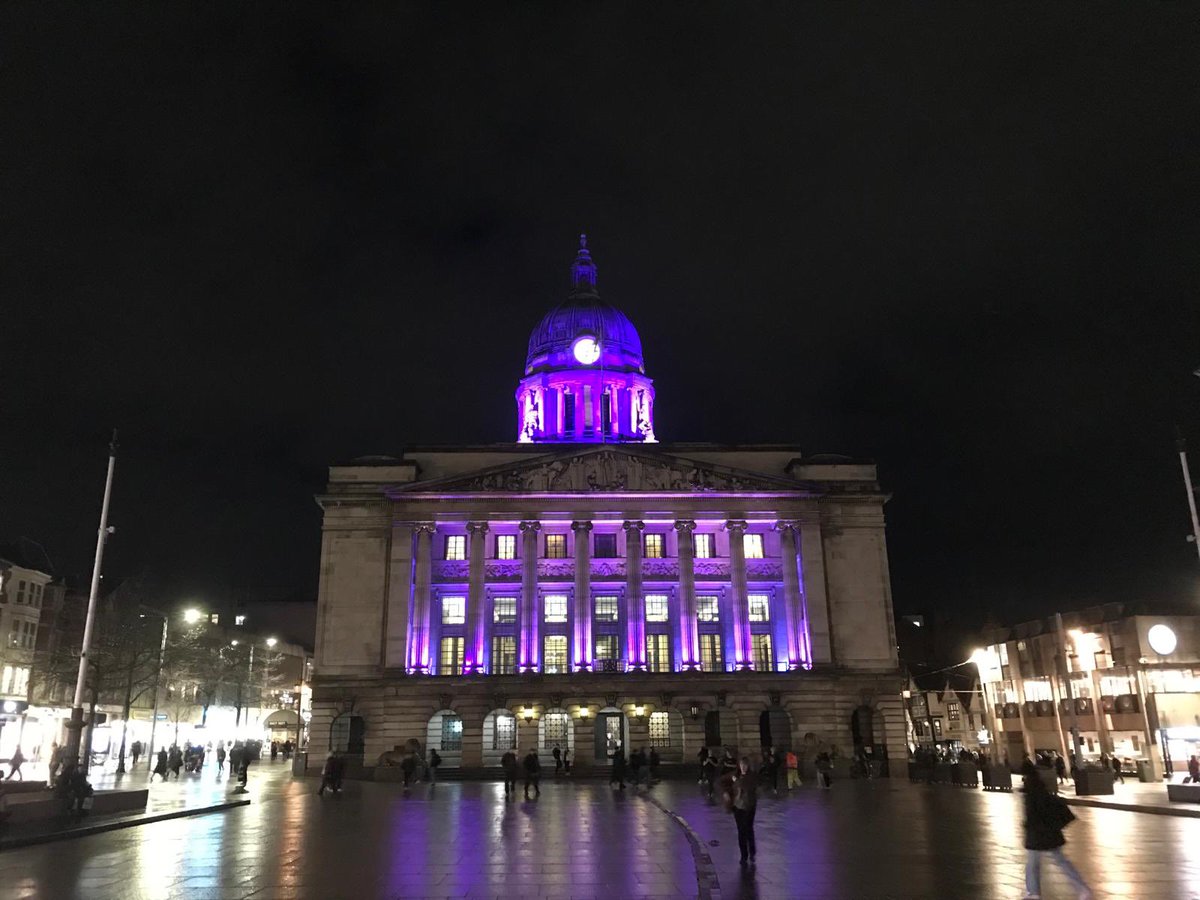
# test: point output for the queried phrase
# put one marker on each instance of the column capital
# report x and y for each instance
(531, 526)
(579, 527)
(424, 527)
(685, 525)
(633, 525)
(787, 525)
(736, 526)
(477, 527)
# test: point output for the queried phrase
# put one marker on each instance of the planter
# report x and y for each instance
(997, 778)
(1093, 781)
(966, 774)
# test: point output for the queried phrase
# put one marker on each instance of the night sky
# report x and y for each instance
(259, 239)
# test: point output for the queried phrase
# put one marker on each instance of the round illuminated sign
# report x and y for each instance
(586, 350)
(1162, 639)
(10, 706)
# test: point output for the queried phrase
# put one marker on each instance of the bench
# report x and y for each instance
(25, 808)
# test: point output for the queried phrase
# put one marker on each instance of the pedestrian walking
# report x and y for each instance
(793, 770)
(274, 750)
(508, 762)
(1060, 768)
(434, 761)
(56, 753)
(332, 773)
(1193, 774)
(1116, 767)
(408, 767)
(617, 775)
(655, 760)
(709, 773)
(136, 751)
(175, 761)
(702, 757)
(18, 760)
(824, 770)
(160, 766)
(729, 765)
(533, 774)
(220, 757)
(741, 798)
(567, 760)
(1045, 818)
(557, 754)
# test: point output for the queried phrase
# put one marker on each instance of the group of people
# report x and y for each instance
(286, 748)
(641, 767)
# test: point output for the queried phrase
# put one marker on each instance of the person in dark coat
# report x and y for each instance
(1060, 769)
(331, 774)
(709, 771)
(175, 761)
(533, 773)
(160, 766)
(1116, 767)
(136, 752)
(435, 760)
(1045, 818)
(741, 793)
(220, 757)
(617, 776)
(702, 756)
(655, 760)
(511, 767)
(557, 754)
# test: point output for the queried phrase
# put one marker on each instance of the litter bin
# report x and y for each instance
(1145, 771)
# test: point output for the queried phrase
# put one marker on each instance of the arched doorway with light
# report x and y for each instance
(445, 734)
(611, 734)
(499, 736)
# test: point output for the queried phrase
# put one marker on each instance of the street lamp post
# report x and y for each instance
(162, 657)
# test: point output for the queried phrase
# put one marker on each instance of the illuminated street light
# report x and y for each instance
(271, 642)
(192, 616)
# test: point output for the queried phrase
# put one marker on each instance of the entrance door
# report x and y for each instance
(775, 728)
(610, 734)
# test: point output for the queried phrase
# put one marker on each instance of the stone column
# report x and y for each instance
(399, 597)
(742, 651)
(793, 603)
(689, 639)
(581, 654)
(816, 597)
(475, 657)
(418, 648)
(529, 651)
(635, 602)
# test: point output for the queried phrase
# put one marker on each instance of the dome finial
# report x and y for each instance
(583, 271)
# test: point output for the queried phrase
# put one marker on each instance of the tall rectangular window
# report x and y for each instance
(753, 545)
(607, 646)
(555, 608)
(708, 608)
(454, 610)
(660, 729)
(760, 607)
(556, 546)
(506, 546)
(657, 608)
(504, 610)
(554, 654)
(653, 544)
(568, 413)
(504, 655)
(764, 660)
(606, 546)
(711, 659)
(20, 592)
(607, 609)
(658, 652)
(505, 735)
(456, 546)
(450, 656)
(554, 729)
(704, 546)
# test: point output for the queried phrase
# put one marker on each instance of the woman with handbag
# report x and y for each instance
(1045, 818)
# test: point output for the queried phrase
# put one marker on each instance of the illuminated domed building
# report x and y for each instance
(589, 587)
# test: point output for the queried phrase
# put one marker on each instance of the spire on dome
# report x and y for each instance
(583, 270)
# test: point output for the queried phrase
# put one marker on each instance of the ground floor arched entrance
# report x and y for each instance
(445, 735)
(611, 735)
(775, 728)
(499, 736)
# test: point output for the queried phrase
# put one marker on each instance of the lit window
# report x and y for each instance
(708, 608)
(606, 609)
(214, 619)
(658, 653)
(760, 607)
(456, 546)
(554, 729)
(656, 608)
(454, 610)
(952, 711)
(607, 646)
(505, 735)
(555, 606)
(704, 546)
(556, 546)
(450, 657)
(504, 655)
(752, 543)
(504, 610)
(20, 592)
(764, 660)
(506, 546)
(451, 732)
(660, 729)
(710, 653)
(606, 546)
(554, 654)
(239, 620)
(654, 546)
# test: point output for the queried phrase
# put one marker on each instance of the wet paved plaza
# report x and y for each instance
(861, 840)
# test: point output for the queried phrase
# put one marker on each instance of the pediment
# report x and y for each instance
(606, 469)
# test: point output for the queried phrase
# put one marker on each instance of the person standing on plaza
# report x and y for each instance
(56, 754)
(557, 754)
(655, 760)
(160, 766)
(1116, 767)
(508, 762)
(1193, 774)
(709, 773)
(793, 770)
(635, 767)
(741, 793)
(220, 757)
(617, 775)
(824, 770)
(533, 773)
(702, 756)
(135, 751)
(435, 760)
(408, 766)
(175, 761)
(274, 750)
(1060, 768)
(567, 760)
(1045, 818)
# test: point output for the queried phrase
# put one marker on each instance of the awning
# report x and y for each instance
(282, 718)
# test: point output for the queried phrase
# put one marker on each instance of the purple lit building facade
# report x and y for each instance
(589, 587)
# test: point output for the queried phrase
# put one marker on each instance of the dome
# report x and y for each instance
(584, 314)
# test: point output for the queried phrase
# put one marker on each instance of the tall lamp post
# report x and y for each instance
(162, 658)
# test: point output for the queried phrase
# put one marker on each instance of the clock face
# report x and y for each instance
(586, 350)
